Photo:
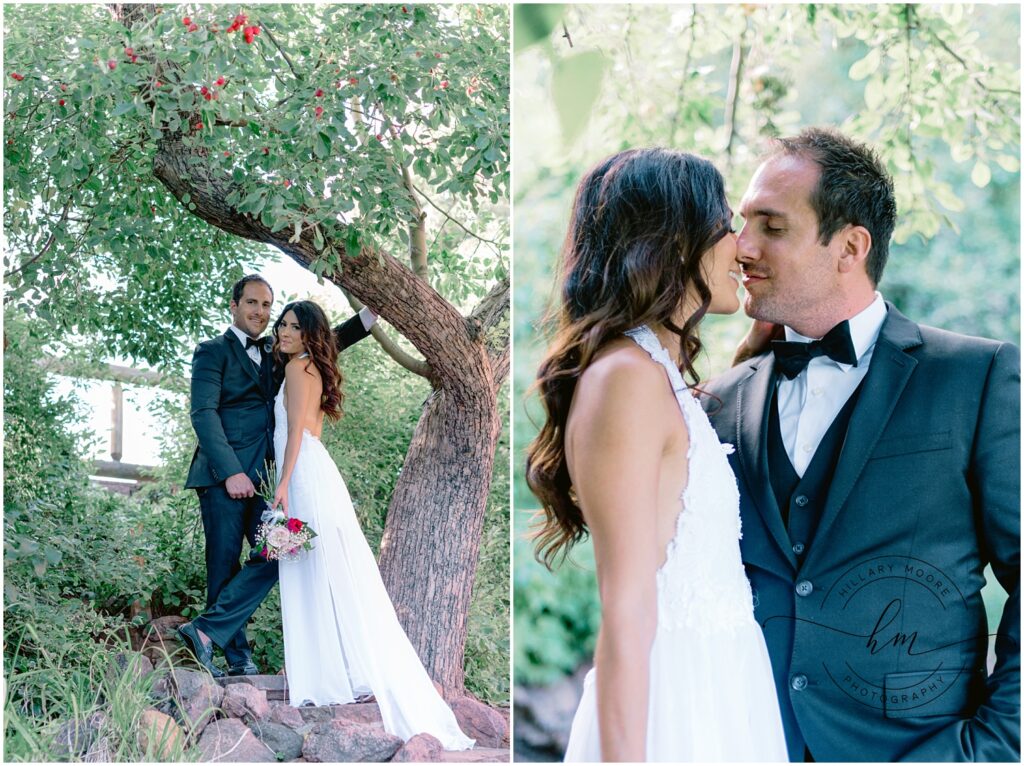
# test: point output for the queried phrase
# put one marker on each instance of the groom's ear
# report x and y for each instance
(855, 244)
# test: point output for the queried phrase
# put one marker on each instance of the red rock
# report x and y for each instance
(423, 748)
(159, 737)
(480, 722)
(245, 701)
(198, 697)
(230, 740)
(342, 741)
(283, 713)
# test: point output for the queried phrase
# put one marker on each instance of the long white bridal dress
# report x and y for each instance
(712, 697)
(342, 638)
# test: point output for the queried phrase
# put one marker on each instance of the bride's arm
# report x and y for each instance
(617, 433)
(301, 386)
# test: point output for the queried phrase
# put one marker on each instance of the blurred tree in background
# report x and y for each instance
(934, 88)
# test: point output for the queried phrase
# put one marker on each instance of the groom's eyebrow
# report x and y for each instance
(767, 212)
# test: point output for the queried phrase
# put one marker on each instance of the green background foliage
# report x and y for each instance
(934, 88)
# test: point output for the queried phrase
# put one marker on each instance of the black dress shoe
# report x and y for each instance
(247, 668)
(203, 652)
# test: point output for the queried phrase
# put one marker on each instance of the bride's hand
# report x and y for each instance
(281, 498)
(757, 340)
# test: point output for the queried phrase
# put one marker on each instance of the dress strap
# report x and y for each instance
(648, 341)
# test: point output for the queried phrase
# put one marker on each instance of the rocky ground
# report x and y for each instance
(248, 720)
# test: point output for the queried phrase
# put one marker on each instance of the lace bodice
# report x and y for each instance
(702, 585)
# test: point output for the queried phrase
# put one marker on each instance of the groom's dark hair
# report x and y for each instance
(239, 288)
(853, 188)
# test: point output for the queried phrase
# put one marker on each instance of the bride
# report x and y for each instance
(342, 638)
(628, 456)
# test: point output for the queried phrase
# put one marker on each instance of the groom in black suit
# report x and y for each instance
(234, 382)
(879, 469)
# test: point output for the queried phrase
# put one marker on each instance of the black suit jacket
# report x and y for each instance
(232, 412)
(877, 633)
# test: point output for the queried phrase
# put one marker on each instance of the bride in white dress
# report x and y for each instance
(628, 456)
(342, 639)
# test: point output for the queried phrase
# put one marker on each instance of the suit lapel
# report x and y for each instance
(883, 385)
(754, 396)
(243, 358)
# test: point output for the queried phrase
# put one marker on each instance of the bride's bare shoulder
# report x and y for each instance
(619, 369)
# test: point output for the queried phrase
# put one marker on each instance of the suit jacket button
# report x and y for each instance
(798, 548)
(798, 682)
(804, 588)
(801, 500)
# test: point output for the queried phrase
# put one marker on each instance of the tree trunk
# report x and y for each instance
(428, 554)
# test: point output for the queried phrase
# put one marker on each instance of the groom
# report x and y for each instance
(234, 382)
(879, 471)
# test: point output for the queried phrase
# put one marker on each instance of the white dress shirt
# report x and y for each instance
(252, 351)
(811, 401)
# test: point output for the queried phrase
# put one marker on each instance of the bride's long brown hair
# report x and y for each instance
(322, 347)
(641, 221)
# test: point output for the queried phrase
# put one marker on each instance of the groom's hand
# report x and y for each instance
(239, 485)
(757, 340)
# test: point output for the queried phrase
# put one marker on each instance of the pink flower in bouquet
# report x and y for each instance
(277, 537)
(294, 525)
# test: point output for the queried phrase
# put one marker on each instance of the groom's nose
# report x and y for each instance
(746, 252)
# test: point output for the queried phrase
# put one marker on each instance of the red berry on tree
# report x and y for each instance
(134, 59)
(353, 80)
(319, 92)
(60, 103)
(152, 208)
(111, 64)
(437, 55)
(219, 81)
(208, 96)
(204, 90)
(16, 76)
(266, 150)
(287, 183)
(199, 126)
(158, 84)
(319, 111)
(63, 87)
(380, 137)
(404, 9)
(227, 153)
(240, 19)
(444, 83)
(186, 21)
(129, 52)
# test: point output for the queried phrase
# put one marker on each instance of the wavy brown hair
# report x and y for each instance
(320, 343)
(641, 222)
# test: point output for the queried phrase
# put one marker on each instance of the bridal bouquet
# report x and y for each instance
(280, 538)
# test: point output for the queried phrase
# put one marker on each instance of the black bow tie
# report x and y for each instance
(792, 357)
(250, 342)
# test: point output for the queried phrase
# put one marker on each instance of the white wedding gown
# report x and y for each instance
(712, 697)
(342, 638)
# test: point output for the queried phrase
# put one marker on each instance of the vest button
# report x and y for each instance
(798, 682)
(804, 588)
(801, 500)
(798, 548)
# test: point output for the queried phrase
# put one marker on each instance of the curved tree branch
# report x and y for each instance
(392, 349)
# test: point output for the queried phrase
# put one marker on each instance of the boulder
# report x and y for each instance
(423, 748)
(165, 627)
(127, 664)
(198, 697)
(285, 714)
(245, 702)
(159, 737)
(339, 741)
(230, 740)
(75, 737)
(285, 743)
(484, 724)
(358, 712)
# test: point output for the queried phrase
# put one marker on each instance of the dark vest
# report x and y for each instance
(802, 500)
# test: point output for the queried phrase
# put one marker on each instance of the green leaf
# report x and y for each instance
(981, 175)
(321, 145)
(534, 22)
(866, 66)
(575, 86)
